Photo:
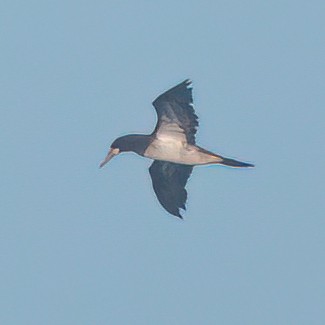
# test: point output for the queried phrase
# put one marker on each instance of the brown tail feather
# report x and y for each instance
(234, 163)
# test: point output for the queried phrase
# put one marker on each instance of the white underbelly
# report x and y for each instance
(178, 152)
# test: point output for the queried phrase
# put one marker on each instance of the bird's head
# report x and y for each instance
(122, 144)
(118, 146)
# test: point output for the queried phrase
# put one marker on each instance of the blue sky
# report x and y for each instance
(80, 245)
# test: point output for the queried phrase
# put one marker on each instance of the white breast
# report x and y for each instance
(165, 149)
(169, 149)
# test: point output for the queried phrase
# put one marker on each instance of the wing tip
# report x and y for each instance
(188, 83)
(179, 216)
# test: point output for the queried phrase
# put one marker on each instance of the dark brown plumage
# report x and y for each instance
(172, 147)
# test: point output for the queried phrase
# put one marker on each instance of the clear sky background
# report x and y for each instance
(80, 245)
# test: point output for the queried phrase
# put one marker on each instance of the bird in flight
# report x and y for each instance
(172, 147)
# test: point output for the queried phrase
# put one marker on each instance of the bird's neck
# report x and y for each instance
(138, 143)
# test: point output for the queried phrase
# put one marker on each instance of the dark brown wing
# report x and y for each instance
(169, 181)
(176, 113)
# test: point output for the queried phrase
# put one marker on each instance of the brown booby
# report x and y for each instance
(172, 147)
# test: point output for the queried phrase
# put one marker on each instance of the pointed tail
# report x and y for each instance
(234, 163)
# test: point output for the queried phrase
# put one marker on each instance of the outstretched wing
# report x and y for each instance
(176, 116)
(169, 180)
